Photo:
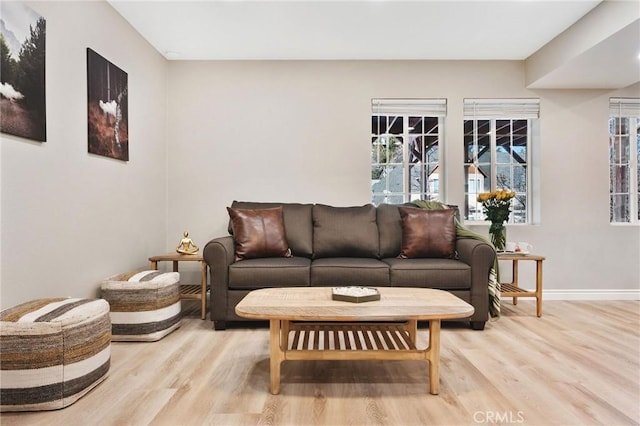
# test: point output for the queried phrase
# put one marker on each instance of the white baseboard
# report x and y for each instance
(591, 294)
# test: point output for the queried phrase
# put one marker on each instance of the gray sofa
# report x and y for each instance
(342, 246)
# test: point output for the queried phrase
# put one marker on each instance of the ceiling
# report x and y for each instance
(359, 30)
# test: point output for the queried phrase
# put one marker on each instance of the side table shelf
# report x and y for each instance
(512, 289)
(188, 291)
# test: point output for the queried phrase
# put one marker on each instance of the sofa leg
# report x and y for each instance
(477, 325)
(219, 325)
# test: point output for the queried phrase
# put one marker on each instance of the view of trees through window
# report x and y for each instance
(404, 158)
(496, 157)
(624, 172)
(22, 77)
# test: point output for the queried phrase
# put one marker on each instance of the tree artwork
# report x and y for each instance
(22, 72)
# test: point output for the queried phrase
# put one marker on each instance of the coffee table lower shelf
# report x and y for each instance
(349, 337)
(352, 341)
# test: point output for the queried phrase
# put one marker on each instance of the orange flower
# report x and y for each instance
(496, 205)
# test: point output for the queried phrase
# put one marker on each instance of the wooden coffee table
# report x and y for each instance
(306, 324)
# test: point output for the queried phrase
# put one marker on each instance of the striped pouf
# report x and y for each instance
(52, 352)
(145, 305)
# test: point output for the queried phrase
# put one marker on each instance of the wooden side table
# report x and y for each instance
(187, 291)
(512, 290)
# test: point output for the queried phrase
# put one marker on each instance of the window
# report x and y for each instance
(624, 157)
(405, 149)
(498, 136)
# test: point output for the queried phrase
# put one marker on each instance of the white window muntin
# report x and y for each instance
(404, 109)
(624, 159)
(495, 110)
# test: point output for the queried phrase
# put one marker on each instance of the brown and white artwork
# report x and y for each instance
(22, 72)
(108, 111)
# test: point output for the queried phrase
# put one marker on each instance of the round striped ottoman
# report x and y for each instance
(145, 305)
(52, 352)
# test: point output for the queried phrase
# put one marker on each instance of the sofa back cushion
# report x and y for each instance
(297, 224)
(345, 231)
(390, 230)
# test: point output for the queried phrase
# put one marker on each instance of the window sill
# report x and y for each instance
(487, 223)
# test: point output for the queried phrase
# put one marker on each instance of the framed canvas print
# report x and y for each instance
(22, 72)
(108, 110)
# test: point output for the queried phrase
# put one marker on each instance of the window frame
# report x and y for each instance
(627, 109)
(405, 109)
(495, 110)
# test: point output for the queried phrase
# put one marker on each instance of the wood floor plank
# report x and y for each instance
(577, 364)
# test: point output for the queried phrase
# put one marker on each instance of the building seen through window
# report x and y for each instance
(498, 136)
(496, 157)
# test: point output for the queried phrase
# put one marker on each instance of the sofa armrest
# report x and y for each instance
(218, 254)
(480, 256)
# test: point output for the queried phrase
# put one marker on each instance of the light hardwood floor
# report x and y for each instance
(577, 365)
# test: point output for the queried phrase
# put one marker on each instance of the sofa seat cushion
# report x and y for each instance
(344, 271)
(269, 272)
(345, 232)
(431, 273)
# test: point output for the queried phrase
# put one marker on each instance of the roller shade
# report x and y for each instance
(624, 107)
(420, 107)
(502, 108)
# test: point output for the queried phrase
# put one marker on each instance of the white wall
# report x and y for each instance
(299, 131)
(70, 219)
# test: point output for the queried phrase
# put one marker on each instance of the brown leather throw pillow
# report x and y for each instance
(258, 233)
(427, 233)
